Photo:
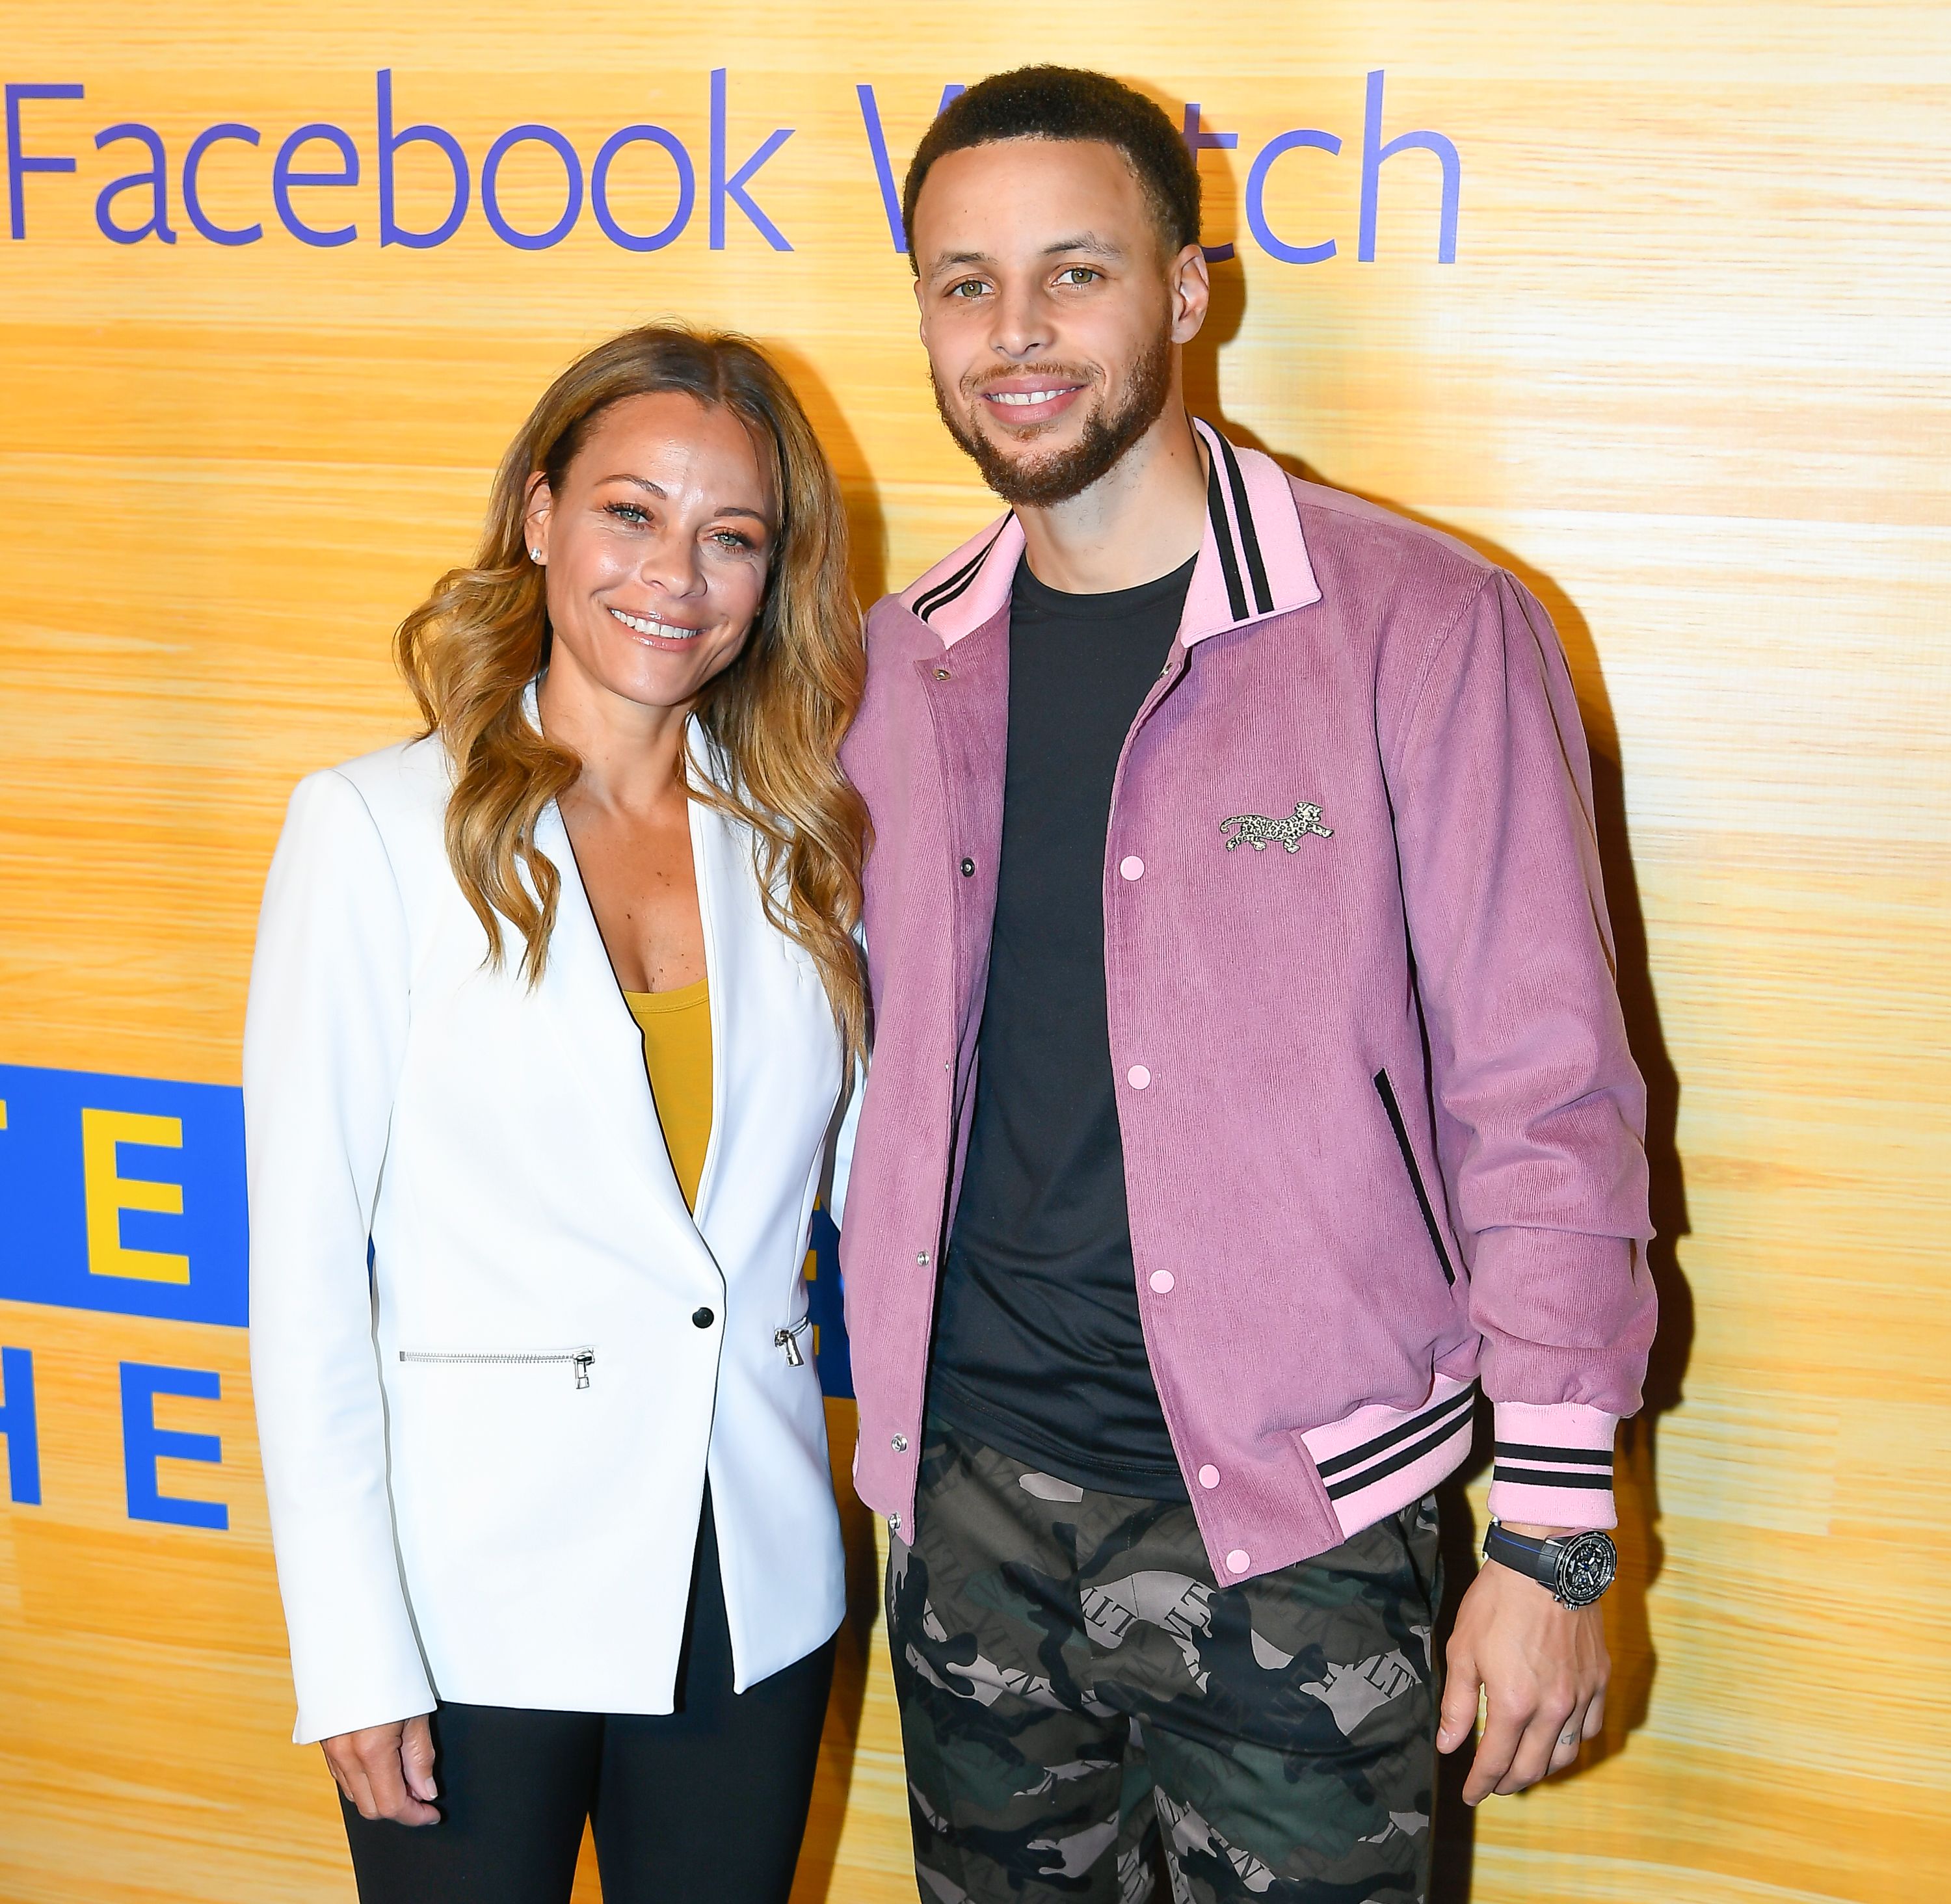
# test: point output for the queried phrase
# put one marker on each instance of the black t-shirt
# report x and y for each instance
(1038, 1349)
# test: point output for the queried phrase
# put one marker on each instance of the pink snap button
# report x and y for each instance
(1208, 1476)
(1131, 866)
(1162, 1282)
(1137, 1076)
(1238, 1561)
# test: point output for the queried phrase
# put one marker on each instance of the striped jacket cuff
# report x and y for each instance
(1379, 1459)
(1553, 1465)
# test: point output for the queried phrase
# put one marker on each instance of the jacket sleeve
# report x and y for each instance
(1540, 1111)
(323, 1040)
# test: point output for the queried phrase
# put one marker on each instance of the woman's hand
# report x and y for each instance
(387, 1770)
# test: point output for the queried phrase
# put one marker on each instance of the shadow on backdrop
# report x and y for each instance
(865, 521)
(1628, 1629)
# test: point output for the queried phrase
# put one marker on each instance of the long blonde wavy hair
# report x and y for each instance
(773, 718)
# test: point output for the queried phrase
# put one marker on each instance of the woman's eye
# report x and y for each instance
(628, 512)
(730, 540)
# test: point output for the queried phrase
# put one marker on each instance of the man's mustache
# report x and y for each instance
(975, 383)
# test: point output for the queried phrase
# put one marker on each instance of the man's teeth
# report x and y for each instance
(1020, 396)
(644, 624)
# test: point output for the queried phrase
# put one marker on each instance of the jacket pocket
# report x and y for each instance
(1387, 1092)
(576, 1359)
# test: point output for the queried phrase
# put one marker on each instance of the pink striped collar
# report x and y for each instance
(1252, 564)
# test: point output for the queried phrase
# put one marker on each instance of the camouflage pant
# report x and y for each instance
(1081, 1703)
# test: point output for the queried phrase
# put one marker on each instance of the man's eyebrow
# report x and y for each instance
(1088, 242)
(730, 508)
(1085, 242)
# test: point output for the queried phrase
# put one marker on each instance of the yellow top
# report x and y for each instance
(677, 1027)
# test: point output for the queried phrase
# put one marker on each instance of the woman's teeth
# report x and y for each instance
(644, 625)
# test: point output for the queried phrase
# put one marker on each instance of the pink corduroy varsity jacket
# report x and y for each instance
(1382, 1133)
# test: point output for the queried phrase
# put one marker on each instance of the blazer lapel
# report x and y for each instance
(599, 1037)
(717, 912)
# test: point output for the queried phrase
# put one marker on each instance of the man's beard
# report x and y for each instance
(1036, 482)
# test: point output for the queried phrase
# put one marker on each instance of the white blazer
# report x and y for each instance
(486, 1458)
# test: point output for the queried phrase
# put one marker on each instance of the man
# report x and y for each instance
(1249, 1085)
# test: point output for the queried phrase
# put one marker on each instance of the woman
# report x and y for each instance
(549, 1023)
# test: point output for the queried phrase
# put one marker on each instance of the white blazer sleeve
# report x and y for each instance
(842, 1158)
(843, 1147)
(324, 1037)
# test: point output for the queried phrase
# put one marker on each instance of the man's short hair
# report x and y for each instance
(1062, 102)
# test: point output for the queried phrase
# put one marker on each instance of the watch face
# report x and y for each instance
(1586, 1565)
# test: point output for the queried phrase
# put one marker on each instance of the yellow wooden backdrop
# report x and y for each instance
(1687, 375)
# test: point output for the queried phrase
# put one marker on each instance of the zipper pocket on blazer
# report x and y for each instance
(788, 1339)
(578, 1360)
(1387, 1092)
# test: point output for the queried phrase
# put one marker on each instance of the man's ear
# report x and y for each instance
(1190, 290)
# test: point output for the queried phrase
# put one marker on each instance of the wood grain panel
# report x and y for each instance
(1688, 376)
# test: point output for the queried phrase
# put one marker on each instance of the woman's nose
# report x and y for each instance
(671, 563)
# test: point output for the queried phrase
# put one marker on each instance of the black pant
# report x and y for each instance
(708, 1803)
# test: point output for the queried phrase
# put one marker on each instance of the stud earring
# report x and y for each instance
(535, 555)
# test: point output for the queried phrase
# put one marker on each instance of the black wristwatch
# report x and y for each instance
(1576, 1568)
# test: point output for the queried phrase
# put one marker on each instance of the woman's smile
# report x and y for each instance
(656, 630)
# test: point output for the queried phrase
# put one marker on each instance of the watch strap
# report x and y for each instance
(1522, 1553)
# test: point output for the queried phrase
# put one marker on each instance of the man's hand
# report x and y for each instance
(1543, 1668)
(387, 1770)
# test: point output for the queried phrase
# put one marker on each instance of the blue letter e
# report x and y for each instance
(144, 1444)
